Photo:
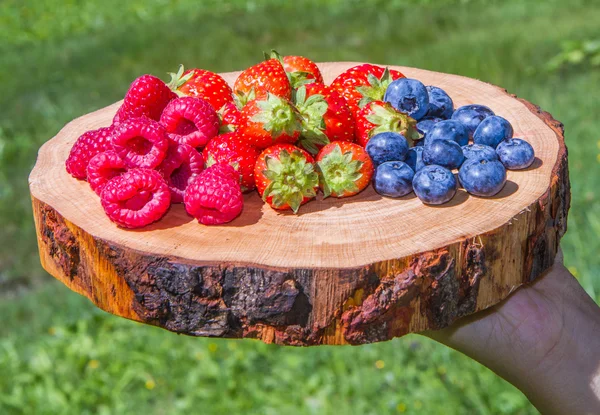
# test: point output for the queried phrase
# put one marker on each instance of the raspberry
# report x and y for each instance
(182, 164)
(215, 197)
(136, 198)
(191, 121)
(147, 97)
(102, 168)
(86, 147)
(140, 142)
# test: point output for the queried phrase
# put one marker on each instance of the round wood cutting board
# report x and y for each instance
(349, 271)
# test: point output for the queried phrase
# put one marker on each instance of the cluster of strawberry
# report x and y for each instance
(199, 142)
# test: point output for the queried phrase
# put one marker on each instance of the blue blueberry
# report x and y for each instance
(492, 130)
(515, 153)
(479, 152)
(440, 104)
(414, 158)
(445, 153)
(434, 185)
(448, 130)
(387, 146)
(408, 96)
(471, 116)
(482, 177)
(426, 124)
(393, 179)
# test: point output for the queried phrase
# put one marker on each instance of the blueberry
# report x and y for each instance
(515, 153)
(434, 185)
(448, 130)
(471, 116)
(440, 104)
(387, 146)
(414, 158)
(408, 96)
(426, 124)
(445, 153)
(393, 179)
(482, 177)
(479, 152)
(492, 130)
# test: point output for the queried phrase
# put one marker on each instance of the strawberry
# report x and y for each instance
(230, 117)
(345, 169)
(147, 97)
(265, 122)
(327, 117)
(364, 83)
(265, 78)
(237, 151)
(378, 116)
(200, 83)
(285, 177)
(300, 70)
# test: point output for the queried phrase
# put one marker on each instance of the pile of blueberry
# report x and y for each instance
(471, 139)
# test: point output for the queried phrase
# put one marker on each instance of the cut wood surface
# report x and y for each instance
(349, 271)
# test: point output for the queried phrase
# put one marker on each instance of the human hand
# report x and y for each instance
(544, 339)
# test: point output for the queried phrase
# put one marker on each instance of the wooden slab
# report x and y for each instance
(356, 270)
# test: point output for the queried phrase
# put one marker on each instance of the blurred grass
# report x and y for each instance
(61, 59)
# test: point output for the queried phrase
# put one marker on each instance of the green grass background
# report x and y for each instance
(60, 59)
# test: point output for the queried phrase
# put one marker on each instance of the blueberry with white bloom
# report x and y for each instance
(482, 177)
(448, 130)
(408, 96)
(471, 116)
(440, 103)
(434, 185)
(515, 153)
(492, 131)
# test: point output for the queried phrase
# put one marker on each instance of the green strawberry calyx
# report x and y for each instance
(339, 173)
(292, 178)
(278, 116)
(387, 118)
(296, 78)
(178, 80)
(376, 88)
(313, 110)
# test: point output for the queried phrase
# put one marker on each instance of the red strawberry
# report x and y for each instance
(267, 77)
(327, 117)
(214, 197)
(300, 70)
(268, 121)
(191, 121)
(85, 148)
(230, 117)
(237, 151)
(345, 169)
(285, 177)
(147, 97)
(378, 117)
(200, 83)
(364, 83)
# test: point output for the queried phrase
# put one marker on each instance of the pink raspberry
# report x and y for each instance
(136, 198)
(140, 142)
(85, 148)
(147, 97)
(182, 164)
(102, 168)
(215, 196)
(191, 121)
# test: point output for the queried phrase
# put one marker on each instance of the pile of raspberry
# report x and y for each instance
(151, 156)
